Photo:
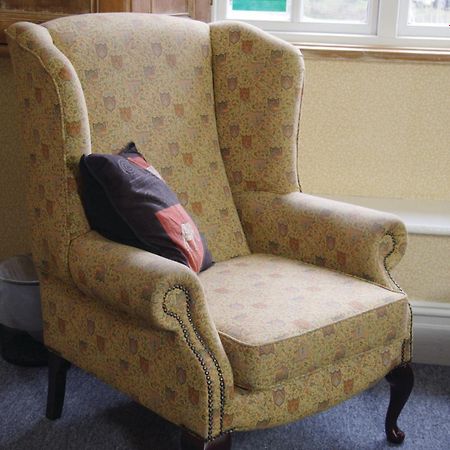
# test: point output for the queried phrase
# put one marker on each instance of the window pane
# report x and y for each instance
(259, 5)
(429, 12)
(340, 10)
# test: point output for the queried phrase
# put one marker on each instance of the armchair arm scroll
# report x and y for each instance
(128, 278)
(358, 241)
(146, 286)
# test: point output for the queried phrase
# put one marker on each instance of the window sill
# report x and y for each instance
(365, 53)
(431, 217)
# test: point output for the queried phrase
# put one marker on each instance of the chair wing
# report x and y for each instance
(57, 134)
(258, 83)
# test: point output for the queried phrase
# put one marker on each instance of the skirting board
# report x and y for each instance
(431, 332)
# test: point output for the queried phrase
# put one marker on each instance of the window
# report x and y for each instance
(425, 18)
(396, 23)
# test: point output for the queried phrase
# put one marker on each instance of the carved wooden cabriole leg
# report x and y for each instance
(191, 442)
(57, 370)
(401, 380)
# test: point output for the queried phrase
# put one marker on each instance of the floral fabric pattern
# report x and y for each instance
(52, 132)
(153, 366)
(148, 79)
(350, 239)
(259, 339)
(258, 82)
(279, 319)
(317, 391)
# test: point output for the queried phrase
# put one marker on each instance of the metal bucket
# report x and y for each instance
(20, 302)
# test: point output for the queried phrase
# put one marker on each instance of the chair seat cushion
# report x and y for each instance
(279, 318)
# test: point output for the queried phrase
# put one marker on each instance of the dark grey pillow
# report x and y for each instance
(126, 200)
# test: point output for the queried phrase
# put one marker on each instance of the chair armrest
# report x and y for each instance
(358, 241)
(155, 291)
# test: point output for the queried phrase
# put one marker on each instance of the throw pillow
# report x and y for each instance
(126, 200)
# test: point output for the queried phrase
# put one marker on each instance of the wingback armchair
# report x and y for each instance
(298, 313)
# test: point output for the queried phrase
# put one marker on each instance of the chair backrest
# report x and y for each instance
(108, 79)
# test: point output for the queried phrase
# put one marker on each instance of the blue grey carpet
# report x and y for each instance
(97, 417)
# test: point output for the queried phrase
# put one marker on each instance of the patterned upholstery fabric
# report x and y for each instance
(149, 326)
(317, 391)
(300, 317)
(258, 82)
(54, 132)
(172, 122)
(348, 238)
(148, 80)
(154, 366)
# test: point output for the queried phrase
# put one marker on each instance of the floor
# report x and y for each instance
(97, 417)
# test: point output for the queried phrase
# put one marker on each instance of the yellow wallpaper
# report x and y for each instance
(424, 272)
(378, 129)
(13, 224)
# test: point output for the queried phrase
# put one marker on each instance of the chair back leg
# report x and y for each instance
(57, 371)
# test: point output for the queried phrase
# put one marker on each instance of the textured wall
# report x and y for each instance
(378, 129)
(13, 224)
(424, 272)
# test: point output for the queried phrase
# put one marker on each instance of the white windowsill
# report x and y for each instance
(420, 216)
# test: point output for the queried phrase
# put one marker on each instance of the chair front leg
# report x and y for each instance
(401, 380)
(190, 441)
(57, 371)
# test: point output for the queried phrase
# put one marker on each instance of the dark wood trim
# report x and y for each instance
(4, 52)
(7, 18)
(113, 6)
(142, 6)
(200, 9)
(195, 9)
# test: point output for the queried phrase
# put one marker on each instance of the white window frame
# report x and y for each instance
(422, 30)
(294, 21)
(387, 27)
